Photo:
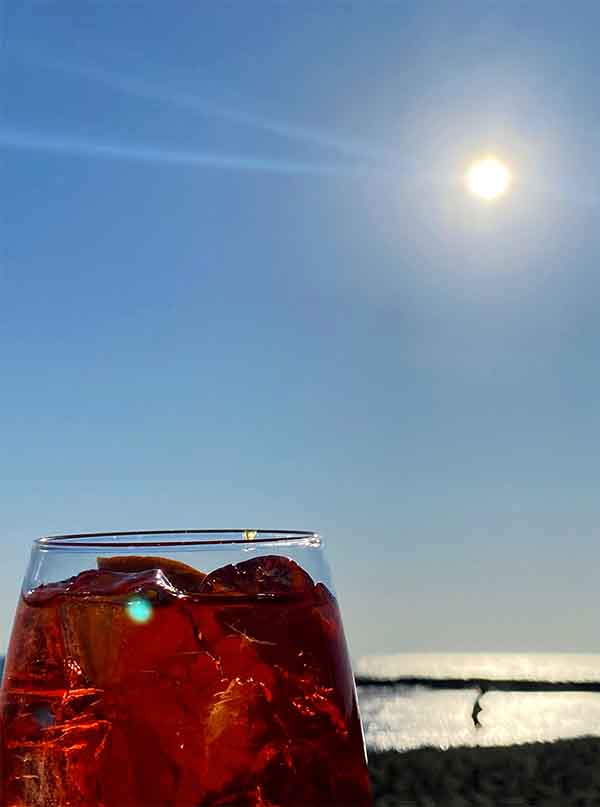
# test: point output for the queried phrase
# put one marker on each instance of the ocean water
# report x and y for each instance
(410, 717)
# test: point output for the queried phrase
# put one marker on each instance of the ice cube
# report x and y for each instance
(36, 652)
(241, 656)
(319, 709)
(236, 729)
(185, 579)
(134, 767)
(108, 583)
(53, 764)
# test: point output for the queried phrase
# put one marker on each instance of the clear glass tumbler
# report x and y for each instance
(180, 669)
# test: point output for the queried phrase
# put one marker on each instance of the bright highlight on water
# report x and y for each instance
(405, 717)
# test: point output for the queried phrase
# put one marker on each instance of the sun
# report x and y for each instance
(488, 178)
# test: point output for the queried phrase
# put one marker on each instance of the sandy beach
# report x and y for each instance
(561, 774)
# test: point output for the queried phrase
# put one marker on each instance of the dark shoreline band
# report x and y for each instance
(483, 684)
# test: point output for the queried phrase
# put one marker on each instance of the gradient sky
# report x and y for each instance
(242, 284)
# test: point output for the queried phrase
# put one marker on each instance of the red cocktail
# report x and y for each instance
(144, 681)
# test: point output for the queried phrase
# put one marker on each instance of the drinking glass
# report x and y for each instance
(180, 669)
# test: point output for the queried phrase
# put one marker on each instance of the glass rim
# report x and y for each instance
(166, 538)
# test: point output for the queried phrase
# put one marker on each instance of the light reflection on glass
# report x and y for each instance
(139, 610)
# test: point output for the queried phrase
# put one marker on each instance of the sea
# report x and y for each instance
(446, 708)
(445, 700)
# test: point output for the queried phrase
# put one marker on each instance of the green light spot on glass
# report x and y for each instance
(139, 610)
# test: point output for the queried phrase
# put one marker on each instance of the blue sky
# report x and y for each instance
(242, 284)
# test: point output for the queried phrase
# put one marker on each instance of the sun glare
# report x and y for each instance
(488, 178)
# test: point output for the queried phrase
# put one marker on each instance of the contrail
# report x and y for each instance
(192, 103)
(65, 144)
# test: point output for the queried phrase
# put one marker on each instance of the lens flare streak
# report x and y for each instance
(139, 610)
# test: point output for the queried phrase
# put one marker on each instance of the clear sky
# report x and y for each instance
(242, 284)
